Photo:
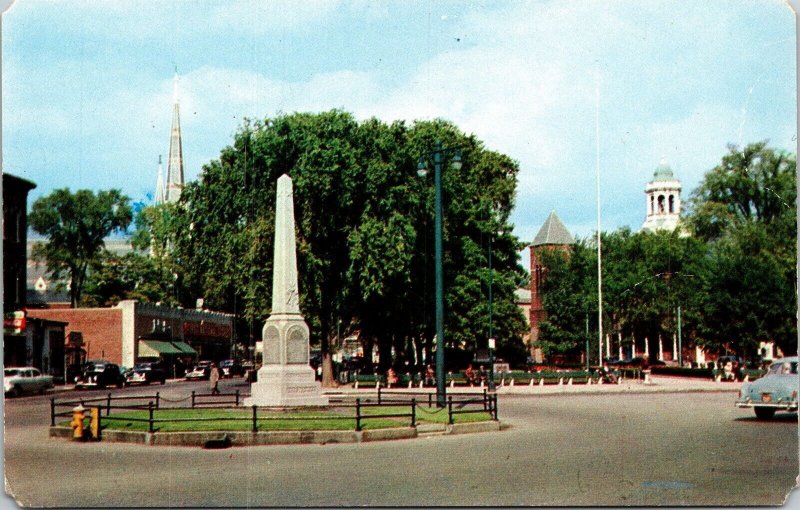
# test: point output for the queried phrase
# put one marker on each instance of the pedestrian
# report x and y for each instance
(727, 370)
(391, 377)
(430, 377)
(213, 379)
(482, 376)
(469, 374)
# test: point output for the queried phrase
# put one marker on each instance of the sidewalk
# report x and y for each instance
(657, 384)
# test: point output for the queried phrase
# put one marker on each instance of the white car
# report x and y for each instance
(19, 380)
(776, 391)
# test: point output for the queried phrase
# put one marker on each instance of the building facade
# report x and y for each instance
(132, 332)
(27, 341)
(15, 241)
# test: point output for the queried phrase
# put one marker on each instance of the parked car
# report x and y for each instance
(99, 374)
(230, 368)
(19, 380)
(776, 391)
(200, 371)
(146, 373)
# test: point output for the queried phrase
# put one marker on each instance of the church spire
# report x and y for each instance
(160, 192)
(175, 161)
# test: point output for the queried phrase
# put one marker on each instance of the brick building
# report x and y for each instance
(27, 341)
(552, 236)
(15, 240)
(131, 332)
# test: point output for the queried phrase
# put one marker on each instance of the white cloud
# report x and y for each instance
(520, 77)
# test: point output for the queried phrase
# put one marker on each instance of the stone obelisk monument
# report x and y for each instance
(285, 379)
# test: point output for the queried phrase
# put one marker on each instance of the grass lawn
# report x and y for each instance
(241, 419)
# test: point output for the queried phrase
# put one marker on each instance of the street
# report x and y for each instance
(617, 450)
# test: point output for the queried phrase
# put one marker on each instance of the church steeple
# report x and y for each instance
(160, 191)
(175, 161)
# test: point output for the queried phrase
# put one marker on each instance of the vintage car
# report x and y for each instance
(230, 368)
(776, 391)
(99, 374)
(201, 371)
(19, 380)
(146, 373)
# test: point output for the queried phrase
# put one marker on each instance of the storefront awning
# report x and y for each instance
(184, 348)
(155, 348)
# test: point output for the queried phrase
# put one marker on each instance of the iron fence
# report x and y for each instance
(456, 404)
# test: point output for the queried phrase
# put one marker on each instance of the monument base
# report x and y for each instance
(286, 386)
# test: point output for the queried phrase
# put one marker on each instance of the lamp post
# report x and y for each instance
(438, 156)
(680, 346)
(491, 335)
(587, 342)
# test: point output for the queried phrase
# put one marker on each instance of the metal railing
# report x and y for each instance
(456, 404)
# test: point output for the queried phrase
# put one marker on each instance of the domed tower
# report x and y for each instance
(552, 236)
(663, 200)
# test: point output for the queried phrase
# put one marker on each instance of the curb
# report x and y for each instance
(218, 439)
(611, 391)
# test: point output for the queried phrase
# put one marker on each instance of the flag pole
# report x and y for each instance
(599, 250)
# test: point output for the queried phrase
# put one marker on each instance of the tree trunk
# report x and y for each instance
(328, 380)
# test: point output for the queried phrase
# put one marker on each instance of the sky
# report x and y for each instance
(87, 86)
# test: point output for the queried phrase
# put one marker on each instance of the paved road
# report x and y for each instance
(617, 450)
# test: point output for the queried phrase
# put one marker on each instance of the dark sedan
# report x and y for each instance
(146, 373)
(230, 368)
(99, 374)
(201, 371)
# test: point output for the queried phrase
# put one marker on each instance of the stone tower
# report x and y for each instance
(174, 183)
(663, 195)
(552, 236)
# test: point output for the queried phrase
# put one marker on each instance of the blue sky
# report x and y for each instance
(87, 86)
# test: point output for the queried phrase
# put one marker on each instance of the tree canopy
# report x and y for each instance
(733, 276)
(75, 225)
(746, 209)
(364, 222)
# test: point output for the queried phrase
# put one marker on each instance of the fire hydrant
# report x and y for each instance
(77, 422)
(94, 423)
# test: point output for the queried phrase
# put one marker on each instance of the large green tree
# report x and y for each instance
(75, 225)
(746, 209)
(364, 229)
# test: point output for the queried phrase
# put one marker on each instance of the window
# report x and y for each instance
(671, 204)
(652, 204)
(660, 204)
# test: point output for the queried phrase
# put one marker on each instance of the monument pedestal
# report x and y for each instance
(286, 379)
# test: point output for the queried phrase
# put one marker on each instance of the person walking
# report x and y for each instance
(213, 379)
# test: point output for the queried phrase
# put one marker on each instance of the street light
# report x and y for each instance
(438, 156)
(491, 309)
(491, 342)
